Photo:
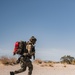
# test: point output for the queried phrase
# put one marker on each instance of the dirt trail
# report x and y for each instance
(58, 69)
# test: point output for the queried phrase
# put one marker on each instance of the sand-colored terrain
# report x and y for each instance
(57, 69)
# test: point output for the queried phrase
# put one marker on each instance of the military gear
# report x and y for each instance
(25, 62)
(28, 50)
(19, 47)
(11, 73)
(16, 47)
(33, 40)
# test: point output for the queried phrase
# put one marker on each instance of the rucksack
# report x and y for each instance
(19, 47)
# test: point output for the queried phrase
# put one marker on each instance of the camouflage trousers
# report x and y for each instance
(24, 64)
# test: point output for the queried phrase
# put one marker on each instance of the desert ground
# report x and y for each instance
(56, 69)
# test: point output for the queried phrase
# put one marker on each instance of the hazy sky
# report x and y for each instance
(52, 22)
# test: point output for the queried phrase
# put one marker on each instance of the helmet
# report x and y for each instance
(33, 39)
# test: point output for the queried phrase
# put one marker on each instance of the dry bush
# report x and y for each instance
(7, 61)
(12, 61)
(44, 63)
(47, 64)
(4, 60)
(50, 64)
(73, 62)
(38, 61)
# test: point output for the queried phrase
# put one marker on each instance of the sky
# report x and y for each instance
(52, 22)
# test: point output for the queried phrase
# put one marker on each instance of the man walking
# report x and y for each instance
(24, 59)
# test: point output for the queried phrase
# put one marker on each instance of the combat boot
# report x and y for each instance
(12, 73)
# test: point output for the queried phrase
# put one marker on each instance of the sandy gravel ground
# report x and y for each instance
(57, 69)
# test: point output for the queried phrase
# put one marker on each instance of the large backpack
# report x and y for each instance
(20, 47)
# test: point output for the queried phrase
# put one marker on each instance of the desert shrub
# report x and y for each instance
(12, 61)
(73, 62)
(67, 59)
(7, 61)
(48, 64)
(44, 63)
(4, 60)
(38, 61)
(50, 61)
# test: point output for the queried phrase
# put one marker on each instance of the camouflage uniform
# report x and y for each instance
(25, 62)
(24, 59)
